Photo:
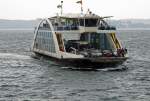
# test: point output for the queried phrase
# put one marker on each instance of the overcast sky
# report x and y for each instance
(32, 9)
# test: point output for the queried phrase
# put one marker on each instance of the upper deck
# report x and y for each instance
(83, 22)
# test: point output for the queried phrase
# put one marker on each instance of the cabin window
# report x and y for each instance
(91, 22)
(88, 22)
(81, 22)
(66, 24)
(44, 25)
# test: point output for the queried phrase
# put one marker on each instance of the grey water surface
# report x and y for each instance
(23, 78)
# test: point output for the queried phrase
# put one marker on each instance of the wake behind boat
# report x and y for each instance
(82, 38)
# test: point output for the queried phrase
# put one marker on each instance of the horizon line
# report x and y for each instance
(48, 17)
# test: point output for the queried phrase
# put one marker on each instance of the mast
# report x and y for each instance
(61, 7)
(81, 2)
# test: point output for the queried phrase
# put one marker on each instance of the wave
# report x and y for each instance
(13, 56)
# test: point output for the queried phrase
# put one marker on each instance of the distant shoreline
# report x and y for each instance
(133, 28)
(31, 29)
(17, 29)
(124, 24)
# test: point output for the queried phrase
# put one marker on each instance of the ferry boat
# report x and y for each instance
(79, 38)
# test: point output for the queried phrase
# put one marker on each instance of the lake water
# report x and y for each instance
(23, 78)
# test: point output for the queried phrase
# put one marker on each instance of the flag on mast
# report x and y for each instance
(59, 6)
(79, 2)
